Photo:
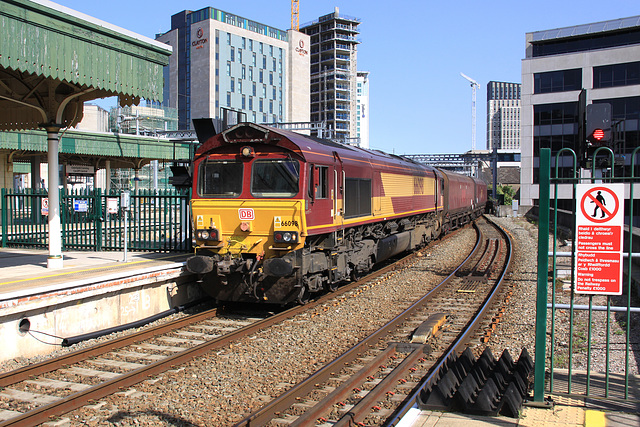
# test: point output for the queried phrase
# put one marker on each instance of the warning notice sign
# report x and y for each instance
(599, 223)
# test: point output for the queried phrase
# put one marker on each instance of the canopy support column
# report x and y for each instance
(54, 261)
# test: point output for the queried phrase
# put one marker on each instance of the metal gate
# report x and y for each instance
(92, 220)
(565, 365)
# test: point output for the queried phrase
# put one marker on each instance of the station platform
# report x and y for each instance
(42, 308)
(23, 271)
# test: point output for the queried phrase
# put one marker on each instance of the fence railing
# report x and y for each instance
(564, 362)
(92, 220)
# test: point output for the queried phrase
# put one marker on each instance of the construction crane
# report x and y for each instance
(474, 87)
(295, 14)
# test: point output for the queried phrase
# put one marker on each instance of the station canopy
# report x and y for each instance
(52, 59)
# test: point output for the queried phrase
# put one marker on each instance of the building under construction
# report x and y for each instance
(333, 69)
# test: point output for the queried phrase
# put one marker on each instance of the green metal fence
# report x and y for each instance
(567, 367)
(157, 221)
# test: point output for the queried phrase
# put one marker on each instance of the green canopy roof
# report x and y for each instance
(45, 47)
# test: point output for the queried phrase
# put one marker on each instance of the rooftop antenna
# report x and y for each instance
(474, 87)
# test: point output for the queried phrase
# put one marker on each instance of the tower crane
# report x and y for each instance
(474, 87)
(295, 14)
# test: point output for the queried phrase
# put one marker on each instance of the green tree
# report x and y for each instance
(508, 193)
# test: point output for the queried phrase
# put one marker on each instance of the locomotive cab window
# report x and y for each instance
(275, 178)
(322, 192)
(220, 179)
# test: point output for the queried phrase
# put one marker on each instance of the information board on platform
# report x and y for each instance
(599, 229)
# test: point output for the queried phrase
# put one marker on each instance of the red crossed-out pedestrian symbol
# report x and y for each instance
(599, 204)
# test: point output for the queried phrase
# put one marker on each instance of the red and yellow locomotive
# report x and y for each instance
(278, 216)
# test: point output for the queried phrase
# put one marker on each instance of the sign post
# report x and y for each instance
(599, 228)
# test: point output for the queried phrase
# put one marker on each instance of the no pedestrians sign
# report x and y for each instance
(599, 226)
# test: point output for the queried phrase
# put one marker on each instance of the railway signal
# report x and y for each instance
(598, 127)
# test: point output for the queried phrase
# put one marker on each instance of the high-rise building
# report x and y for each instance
(362, 109)
(224, 65)
(503, 115)
(334, 56)
(604, 59)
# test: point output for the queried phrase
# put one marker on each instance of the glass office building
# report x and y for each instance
(604, 59)
(226, 65)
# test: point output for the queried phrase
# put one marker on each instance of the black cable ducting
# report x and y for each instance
(67, 342)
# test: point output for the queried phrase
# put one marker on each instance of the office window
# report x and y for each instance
(228, 68)
(270, 50)
(254, 117)
(232, 85)
(240, 56)
(250, 103)
(616, 75)
(244, 72)
(274, 93)
(261, 75)
(280, 67)
(243, 102)
(253, 89)
(251, 45)
(555, 81)
(244, 42)
(260, 103)
(270, 78)
(270, 107)
(261, 47)
(264, 91)
(273, 64)
(228, 99)
(264, 62)
(232, 55)
(228, 38)
(239, 85)
(253, 59)
(251, 73)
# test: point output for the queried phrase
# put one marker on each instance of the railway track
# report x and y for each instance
(371, 384)
(40, 392)
(36, 393)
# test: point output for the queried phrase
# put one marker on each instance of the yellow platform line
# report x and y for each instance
(594, 418)
(65, 273)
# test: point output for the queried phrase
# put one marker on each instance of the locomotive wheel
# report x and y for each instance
(331, 287)
(303, 295)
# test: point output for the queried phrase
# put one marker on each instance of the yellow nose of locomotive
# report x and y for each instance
(269, 227)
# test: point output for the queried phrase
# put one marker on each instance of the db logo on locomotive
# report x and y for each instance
(246, 214)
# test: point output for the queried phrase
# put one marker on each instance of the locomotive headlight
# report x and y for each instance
(285, 236)
(210, 234)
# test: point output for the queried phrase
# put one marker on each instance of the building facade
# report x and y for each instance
(604, 59)
(362, 109)
(503, 115)
(224, 65)
(334, 60)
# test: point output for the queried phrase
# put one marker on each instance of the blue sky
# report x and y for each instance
(414, 50)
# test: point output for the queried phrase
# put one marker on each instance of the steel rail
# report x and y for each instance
(457, 347)
(21, 374)
(288, 398)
